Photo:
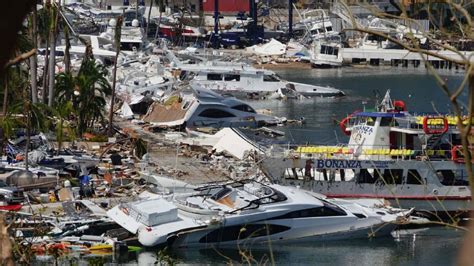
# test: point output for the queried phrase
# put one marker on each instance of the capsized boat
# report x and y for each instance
(413, 161)
(248, 212)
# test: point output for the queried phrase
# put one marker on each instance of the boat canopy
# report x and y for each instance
(377, 114)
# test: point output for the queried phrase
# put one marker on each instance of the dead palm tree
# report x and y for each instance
(118, 29)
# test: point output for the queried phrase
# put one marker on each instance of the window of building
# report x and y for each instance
(215, 113)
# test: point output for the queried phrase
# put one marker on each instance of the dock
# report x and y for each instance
(401, 57)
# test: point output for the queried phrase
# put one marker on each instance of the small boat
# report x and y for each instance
(247, 211)
(326, 54)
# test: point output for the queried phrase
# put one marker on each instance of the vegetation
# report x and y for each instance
(86, 92)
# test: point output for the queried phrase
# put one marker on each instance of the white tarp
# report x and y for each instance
(273, 47)
(233, 143)
(35, 157)
(126, 111)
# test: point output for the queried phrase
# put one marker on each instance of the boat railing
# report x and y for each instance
(352, 152)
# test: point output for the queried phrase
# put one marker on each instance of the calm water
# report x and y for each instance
(416, 87)
(434, 246)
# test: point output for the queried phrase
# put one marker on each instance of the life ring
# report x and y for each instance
(343, 125)
(457, 154)
(432, 131)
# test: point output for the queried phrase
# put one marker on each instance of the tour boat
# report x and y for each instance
(411, 161)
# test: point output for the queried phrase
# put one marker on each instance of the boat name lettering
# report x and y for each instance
(366, 130)
(338, 164)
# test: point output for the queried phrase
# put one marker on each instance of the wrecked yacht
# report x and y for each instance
(202, 107)
(238, 77)
(248, 212)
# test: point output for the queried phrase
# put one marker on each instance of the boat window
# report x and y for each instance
(323, 211)
(236, 232)
(244, 108)
(370, 121)
(453, 177)
(388, 122)
(221, 193)
(330, 49)
(393, 176)
(270, 78)
(329, 28)
(365, 177)
(214, 76)
(323, 49)
(215, 113)
(413, 177)
(336, 51)
(231, 77)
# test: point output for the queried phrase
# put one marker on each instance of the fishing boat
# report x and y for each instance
(248, 212)
(409, 160)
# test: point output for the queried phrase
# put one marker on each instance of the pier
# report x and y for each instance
(400, 57)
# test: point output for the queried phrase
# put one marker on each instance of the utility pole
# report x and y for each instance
(290, 19)
(216, 24)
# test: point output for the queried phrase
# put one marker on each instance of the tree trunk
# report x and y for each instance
(52, 63)
(6, 255)
(5, 94)
(148, 19)
(45, 73)
(60, 135)
(67, 55)
(118, 32)
(28, 133)
(136, 13)
(34, 60)
(159, 21)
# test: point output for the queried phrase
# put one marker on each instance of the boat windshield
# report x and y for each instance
(271, 78)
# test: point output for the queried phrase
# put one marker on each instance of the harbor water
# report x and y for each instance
(415, 86)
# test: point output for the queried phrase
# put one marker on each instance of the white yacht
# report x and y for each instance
(326, 54)
(248, 212)
(200, 107)
(315, 23)
(412, 161)
(234, 77)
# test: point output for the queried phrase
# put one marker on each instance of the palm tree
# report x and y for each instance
(87, 91)
(44, 21)
(62, 111)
